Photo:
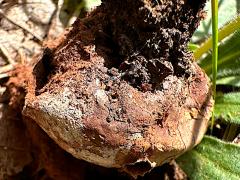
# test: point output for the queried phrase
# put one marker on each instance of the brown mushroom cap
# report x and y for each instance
(94, 114)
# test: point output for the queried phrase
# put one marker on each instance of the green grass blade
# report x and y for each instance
(228, 29)
(193, 47)
(228, 61)
(215, 49)
(230, 80)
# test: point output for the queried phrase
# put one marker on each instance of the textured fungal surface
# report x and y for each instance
(121, 90)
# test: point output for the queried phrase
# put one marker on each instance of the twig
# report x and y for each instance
(6, 68)
(5, 75)
(38, 38)
(5, 53)
(53, 15)
(22, 56)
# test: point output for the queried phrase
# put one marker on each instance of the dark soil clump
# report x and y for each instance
(142, 42)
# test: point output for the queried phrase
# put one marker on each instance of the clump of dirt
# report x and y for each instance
(121, 89)
(28, 152)
(142, 42)
(14, 143)
(151, 39)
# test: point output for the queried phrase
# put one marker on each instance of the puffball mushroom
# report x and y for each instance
(121, 89)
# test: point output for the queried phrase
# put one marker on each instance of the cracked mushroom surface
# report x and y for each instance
(121, 89)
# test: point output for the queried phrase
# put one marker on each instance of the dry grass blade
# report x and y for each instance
(36, 37)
